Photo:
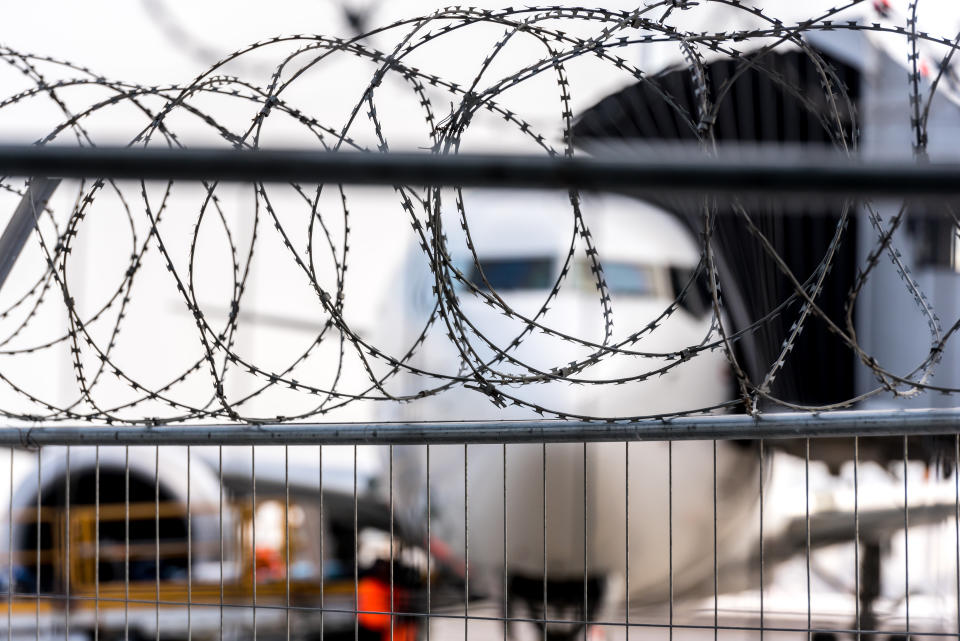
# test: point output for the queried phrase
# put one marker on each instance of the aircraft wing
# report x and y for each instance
(840, 526)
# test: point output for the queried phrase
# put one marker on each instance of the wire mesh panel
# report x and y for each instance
(657, 538)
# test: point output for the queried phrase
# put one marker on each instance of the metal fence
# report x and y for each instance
(336, 543)
(832, 524)
(171, 490)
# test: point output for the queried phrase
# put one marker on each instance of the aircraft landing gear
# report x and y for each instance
(869, 584)
(567, 611)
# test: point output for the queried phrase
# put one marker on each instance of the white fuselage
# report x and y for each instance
(615, 495)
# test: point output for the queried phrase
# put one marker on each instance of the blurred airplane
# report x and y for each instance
(575, 527)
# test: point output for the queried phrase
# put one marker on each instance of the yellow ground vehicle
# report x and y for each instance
(138, 564)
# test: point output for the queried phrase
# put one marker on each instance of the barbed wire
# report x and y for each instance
(528, 360)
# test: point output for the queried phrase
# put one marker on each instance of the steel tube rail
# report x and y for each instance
(722, 427)
(816, 175)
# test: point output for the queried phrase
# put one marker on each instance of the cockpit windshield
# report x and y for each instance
(518, 273)
(514, 273)
(622, 277)
(630, 279)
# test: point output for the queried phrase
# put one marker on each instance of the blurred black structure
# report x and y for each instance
(777, 98)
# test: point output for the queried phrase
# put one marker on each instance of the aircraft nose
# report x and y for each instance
(588, 381)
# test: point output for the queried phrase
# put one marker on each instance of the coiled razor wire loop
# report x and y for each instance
(312, 223)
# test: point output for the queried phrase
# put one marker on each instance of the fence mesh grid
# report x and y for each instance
(261, 545)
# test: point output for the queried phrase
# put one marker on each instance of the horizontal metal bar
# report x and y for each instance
(721, 427)
(653, 173)
(440, 614)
